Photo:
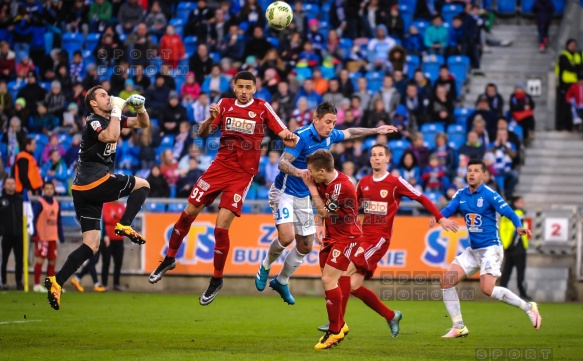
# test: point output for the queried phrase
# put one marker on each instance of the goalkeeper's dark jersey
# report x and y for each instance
(96, 158)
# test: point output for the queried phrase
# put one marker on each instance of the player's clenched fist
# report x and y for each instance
(214, 110)
(117, 102)
(137, 102)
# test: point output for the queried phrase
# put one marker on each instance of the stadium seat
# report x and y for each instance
(88, 57)
(91, 41)
(456, 135)
(459, 66)
(374, 80)
(176, 207)
(368, 143)
(167, 141)
(431, 64)
(506, 7)
(72, 42)
(346, 45)
(449, 11)
(559, 6)
(273, 41)
(526, 7)
(14, 87)
(178, 25)
(421, 25)
(407, 15)
(184, 9)
(252, 193)
(159, 152)
(263, 193)
(247, 209)
(156, 207)
(312, 11)
(41, 139)
(66, 206)
(433, 127)
(190, 44)
(398, 148)
(303, 73)
(517, 129)
(354, 76)
(413, 63)
(411, 4)
(461, 115)
(433, 196)
(325, 13)
(179, 80)
(216, 57)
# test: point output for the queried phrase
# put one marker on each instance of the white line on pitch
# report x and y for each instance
(24, 321)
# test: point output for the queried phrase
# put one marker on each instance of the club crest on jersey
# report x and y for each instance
(237, 198)
(480, 202)
(240, 125)
(96, 125)
(252, 114)
(384, 193)
(335, 254)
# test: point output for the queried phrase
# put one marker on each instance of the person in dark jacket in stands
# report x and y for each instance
(495, 100)
(11, 231)
(200, 63)
(543, 11)
(172, 115)
(568, 65)
(157, 96)
(159, 188)
(473, 149)
(32, 92)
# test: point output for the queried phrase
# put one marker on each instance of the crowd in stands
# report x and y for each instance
(381, 62)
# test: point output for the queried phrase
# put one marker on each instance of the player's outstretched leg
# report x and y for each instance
(283, 291)
(134, 203)
(222, 245)
(452, 304)
(180, 230)
(374, 302)
(509, 297)
(275, 250)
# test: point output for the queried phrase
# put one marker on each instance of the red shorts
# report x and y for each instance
(337, 255)
(221, 179)
(368, 255)
(45, 249)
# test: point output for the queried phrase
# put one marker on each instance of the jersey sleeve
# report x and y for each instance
(405, 189)
(359, 193)
(453, 205)
(94, 127)
(337, 136)
(123, 122)
(273, 121)
(500, 205)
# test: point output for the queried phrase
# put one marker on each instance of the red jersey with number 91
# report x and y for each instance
(339, 197)
(242, 130)
(380, 200)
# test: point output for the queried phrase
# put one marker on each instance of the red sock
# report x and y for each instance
(334, 308)
(180, 230)
(222, 245)
(38, 268)
(50, 270)
(373, 301)
(344, 284)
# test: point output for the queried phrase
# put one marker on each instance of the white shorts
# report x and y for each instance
(289, 209)
(488, 260)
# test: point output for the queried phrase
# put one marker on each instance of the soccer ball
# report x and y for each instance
(279, 15)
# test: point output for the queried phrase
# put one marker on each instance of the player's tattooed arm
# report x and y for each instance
(352, 133)
(285, 165)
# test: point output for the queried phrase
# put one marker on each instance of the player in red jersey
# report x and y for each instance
(379, 195)
(334, 197)
(243, 122)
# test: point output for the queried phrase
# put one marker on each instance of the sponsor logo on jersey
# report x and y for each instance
(237, 198)
(110, 148)
(203, 185)
(335, 254)
(384, 193)
(373, 207)
(252, 114)
(474, 222)
(240, 125)
(480, 202)
(96, 125)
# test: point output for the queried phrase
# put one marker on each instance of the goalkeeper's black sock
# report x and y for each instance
(73, 262)
(134, 204)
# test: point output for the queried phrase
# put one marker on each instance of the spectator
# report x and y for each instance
(300, 18)
(105, 50)
(574, 97)
(43, 122)
(400, 82)
(187, 180)
(252, 14)
(436, 36)
(285, 98)
(233, 44)
(54, 144)
(332, 47)
(566, 70)
(472, 36)
(483, 110)
(257, 46)
(311, 96)
(173, 114)
(473, 148)
(522, 110)
(419, 150)
(402, 122)
(201, 108)
(346, 86)
(512, 138)
(76, 18)
(128, 90)
(270, 80)
(26, 171)
(447, 80)
(505, 152)
(99, 15)
(456, 37)
(423, 85)
(120, 74)
(414, 42)
(416, 104)
(168, 75)
(290, 50)
(433, 175)
(72, 121)
(200, 63)
(398, 58)
(72, 154)
(91, 78)
(11, 229)
(272, 61)
(157, 97)
(171, 47)
(6, 103)
(129, 15)
(7, 62)
(182, 141)
(215, 83)
(320, 84)
(409, 170)
(441, 107)
(55, 171)
(24, 66)
(146, 146)
(377, 116)
(219, 26)
(479, 126)
(394, 23)
(112, 244)
(301, 116)
(445, 154)
(140, 46)
(31, 92)
(308, 56)
(363, 93)
(169, 167)
(199, 21)
(315, 37)
(268, 170)
(159, 187)
(543, 11)
(64, 78)
(333, 94)
(349, 169)
(378, 49)
(55, 100)
(156, 20)
(495, 100)
(14, 137)
(190, 90)
(390, 96)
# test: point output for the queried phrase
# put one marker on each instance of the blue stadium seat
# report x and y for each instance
(354, 76)
(46, 85)
(179, 80)
(252, 193)
(178, 25)
(526, 7)
(457, 135)
(433, 127)
(413, 63)
(72, 42)
(433, 196)
(263, 193)
(421, 25)
(247, 209)
(461, 115)
(411, 4)
(374, 80)
(216, 57)
(506, 7)
(368, 143)
(167, 141)
(155, 39)
(517, 129)
(324, 29)
(184, 9)
(156, 207)
(41, 139)
(14, 87)
(325, 13)
(161, 150)
(346, 45)
(176, 207)
(398, 148)
(407, 15)
(274, 42)
(67, 206)
(303, 73)
(88, 58)
(459, 66)
(449, 11)
(91, 41)
(312, 11)
(431, 64)
(559, 6)
(190, 44)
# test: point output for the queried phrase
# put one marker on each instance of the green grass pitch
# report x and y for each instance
(116, 326)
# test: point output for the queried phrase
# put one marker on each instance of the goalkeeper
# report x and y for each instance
(95, 184)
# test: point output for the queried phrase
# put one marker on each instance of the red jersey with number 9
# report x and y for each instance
(339, 197)
(242, 130)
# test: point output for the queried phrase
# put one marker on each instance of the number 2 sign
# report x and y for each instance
(556, 229)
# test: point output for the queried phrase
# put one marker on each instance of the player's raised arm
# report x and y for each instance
(453, 205)
(142, 120)
(289, 139)
(352, 133)
(504, 209)
(205, 128)
(112, 132)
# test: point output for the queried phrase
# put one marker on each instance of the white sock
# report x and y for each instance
(452, 304)
(505, 295)
(275, 250)
(292, 262)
